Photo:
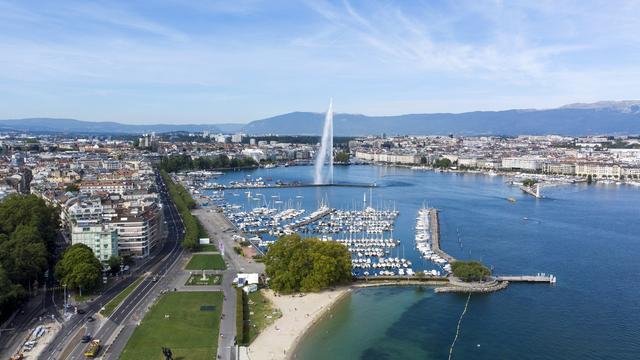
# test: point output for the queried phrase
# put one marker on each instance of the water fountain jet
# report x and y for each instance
(326, 150)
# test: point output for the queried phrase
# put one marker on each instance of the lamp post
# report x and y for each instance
(64, 286)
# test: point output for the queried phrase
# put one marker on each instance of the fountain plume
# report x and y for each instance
(326, 150)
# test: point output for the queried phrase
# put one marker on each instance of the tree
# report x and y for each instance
(128, 260)
(342, 157)
(184, 202)
(30, 210)
(24, 254)
(185, 162)
(10, 293)
(28, 229)
(114, 264)
(442, 163)
(295, 264)
(79, 268)
(529, 182)
(470, 270)
(589, 179)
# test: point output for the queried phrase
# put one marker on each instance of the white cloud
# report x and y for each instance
(252, 58)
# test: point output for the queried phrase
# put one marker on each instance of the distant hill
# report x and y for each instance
(576, 119)
(92, 127)
(605, 117)
(230, 128)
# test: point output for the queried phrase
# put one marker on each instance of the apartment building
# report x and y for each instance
(98, 237)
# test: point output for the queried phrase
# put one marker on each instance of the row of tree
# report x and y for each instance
(28, 230)
(306, 264)
(184, 202)
(176, 163)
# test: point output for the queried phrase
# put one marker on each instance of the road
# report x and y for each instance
(159, 265)
(222, 231)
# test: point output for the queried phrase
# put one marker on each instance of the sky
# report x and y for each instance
(236, 61)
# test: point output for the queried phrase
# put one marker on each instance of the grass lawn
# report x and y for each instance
(113, 304)
(261, 314)
(177, 322)
(206, 262)
(207, 247)
(196, 279)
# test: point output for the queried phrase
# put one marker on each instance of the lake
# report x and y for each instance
(586, 235)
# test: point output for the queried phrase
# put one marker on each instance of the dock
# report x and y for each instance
(284, 186)
(435, 235)
(535, 192)
(541, 278)
(313, 218)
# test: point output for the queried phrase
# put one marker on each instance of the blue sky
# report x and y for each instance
(236, 61)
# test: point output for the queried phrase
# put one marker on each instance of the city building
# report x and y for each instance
(99, 238)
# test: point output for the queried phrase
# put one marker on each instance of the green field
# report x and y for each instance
(207, 247)
(206, 262)
(196, 279)
(261, 314)
(113, 304)
(176, 321)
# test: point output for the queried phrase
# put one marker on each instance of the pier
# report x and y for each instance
(435, 235)
(284, 186)
(314, 217)
(541, 278)
(535, 192)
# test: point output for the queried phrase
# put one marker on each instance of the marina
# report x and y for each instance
(367, 233)
(367, 229)
(428, 240)
(505, 246)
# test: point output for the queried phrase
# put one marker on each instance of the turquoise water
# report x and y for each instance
(589, 236)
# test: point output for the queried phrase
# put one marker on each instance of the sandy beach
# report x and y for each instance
(298, 315)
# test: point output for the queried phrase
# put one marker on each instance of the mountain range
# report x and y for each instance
(73, 126)
(605, 117)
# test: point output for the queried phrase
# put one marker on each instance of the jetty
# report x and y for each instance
(435, 235)
(535, 192)
(540, 278)
(283, 186)
(313, 217)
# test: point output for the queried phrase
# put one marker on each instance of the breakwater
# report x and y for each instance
(434, 220)
(285, 186)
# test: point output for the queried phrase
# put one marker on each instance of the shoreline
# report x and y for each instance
(281, 339)
(317, 319)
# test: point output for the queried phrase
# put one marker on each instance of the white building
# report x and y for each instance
(237, 138)
(256, 154)
(99, 238)
(389, 157)
(599, 170)
(522, 163)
